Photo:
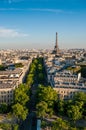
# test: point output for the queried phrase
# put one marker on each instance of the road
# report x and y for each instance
(31, 121)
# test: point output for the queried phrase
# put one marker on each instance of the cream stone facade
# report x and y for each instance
(9, 80)
(65, 82)
(6, 92)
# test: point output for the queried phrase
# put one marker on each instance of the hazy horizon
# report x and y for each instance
(34, 23)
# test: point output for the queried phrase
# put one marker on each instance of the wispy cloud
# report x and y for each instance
(14, 1)
(47, 10)
(38, 9)
(11, 33)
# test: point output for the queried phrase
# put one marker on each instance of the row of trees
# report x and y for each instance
(20, 106)
(45, 96)
(40, 71)
(21, 98)
(32, 72)
(22, 93)
(59, 124)
(74, 109)
(36, 72)
(48, 103)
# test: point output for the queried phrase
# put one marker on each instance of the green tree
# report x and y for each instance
(30, 80)
(80, 96)
(80, 100)
(19, 111)
(5, 126)
(21, 96)
(15, 127)
(2, 67)
(74, 112)
(41, 109)
(48, 95)
(40, 77)
(40, 68)
(60, 124)
(60, 107)
(50, 111)
(3, 108)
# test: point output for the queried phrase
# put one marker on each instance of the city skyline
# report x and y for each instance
(33, 23)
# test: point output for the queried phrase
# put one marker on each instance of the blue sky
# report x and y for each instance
(33, 23)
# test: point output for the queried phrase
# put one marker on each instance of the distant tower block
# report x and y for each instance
(56, 49)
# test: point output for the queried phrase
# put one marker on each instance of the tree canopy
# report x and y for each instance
(19, 111)
(47, 96)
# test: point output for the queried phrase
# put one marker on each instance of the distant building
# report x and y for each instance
(62, 79)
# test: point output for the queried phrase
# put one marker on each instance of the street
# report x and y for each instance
(31, 121)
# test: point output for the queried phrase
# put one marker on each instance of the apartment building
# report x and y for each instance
(65, 82)
(6, 92)
(10, 79)
(10, 75)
